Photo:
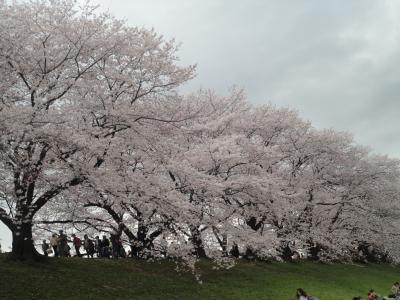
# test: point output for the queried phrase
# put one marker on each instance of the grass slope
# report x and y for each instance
(76, 278)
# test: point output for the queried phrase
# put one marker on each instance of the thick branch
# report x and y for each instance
(5, 218)
(42, 200)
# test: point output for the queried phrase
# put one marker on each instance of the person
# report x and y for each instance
(77, 244)
(105, 247)
(122, 251)
(249, 254)
(164, 247)
(395, 290)
(88, 245)
(120, 247)
(234, 252)
(301, 294)
(115, 245)
(98, 246)
(45, 248)
(54, 243)
(371, 295)
(62, 244)
(131, 252)
(296, 255)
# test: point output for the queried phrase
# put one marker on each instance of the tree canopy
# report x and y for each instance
(95, 134)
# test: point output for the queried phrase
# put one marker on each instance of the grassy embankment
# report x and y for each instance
(76, 278)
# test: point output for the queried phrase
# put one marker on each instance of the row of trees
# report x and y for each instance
(94, 135)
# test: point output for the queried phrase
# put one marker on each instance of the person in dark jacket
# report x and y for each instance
(116, 245)
(234, 250)
(105, 243)
(77, 244)
(88, 245)
(45, 248)
(62, 244)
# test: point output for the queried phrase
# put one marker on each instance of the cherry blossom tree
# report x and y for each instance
(72, 81)
(231, 174)
(94, 135)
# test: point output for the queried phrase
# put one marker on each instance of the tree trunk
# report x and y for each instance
(22, 244)
(285, 251)
(197, 242)
(314, 251)
(255, 224)
(138, 250)
(223, 243)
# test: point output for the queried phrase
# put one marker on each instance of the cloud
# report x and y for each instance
(336, 62)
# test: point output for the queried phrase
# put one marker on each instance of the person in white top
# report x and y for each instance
(53, 243)
(301, 294)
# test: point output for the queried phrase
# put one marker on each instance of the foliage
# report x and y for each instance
(94, 133)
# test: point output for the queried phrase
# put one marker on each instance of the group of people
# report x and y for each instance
(394, 294)
(103, 247)
(58, 245)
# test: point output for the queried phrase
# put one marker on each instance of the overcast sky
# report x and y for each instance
(336, 62)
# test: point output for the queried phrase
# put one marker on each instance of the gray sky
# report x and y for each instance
(336, 62)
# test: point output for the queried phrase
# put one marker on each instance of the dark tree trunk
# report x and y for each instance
(234, 251)
(137, 250)
(250, 254)
(286, 251)
(141, 244)
(197, 242)
(370, 253)
(255, 224)
(144, 241)
(22, 246)
(314, 252)
(223, 242)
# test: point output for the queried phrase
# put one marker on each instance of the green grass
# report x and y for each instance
(76, 278)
